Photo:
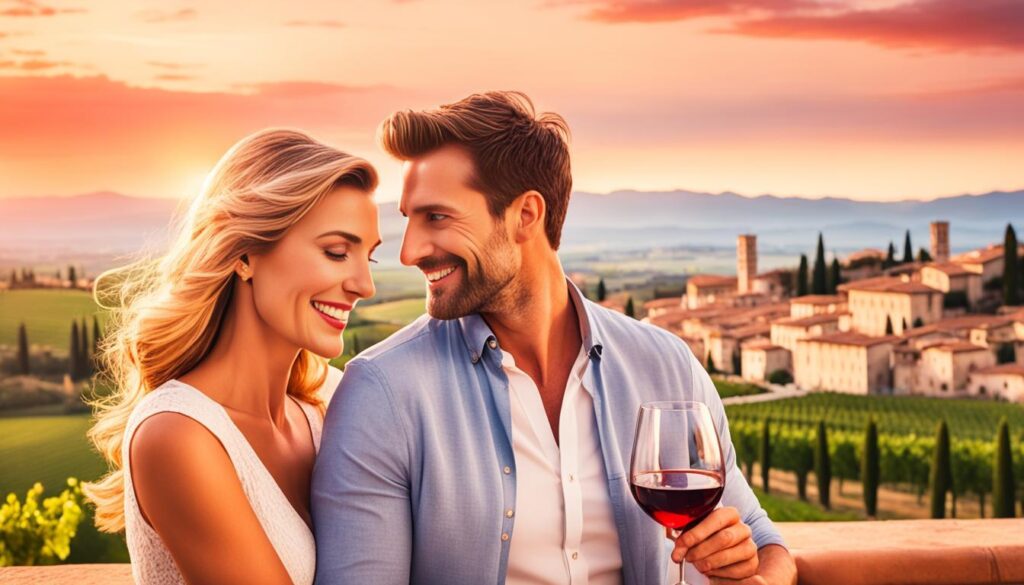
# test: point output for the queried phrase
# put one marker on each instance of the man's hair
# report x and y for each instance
(513, 149)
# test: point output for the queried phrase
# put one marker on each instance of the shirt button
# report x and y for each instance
(476, 358)
(575, 555)
(492, 343)
(507, 470)
(571, 477)
(509, 513)
(504, 536)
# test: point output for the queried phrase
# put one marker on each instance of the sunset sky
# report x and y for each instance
(871, 100)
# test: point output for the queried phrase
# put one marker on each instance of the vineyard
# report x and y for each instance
(906, 438)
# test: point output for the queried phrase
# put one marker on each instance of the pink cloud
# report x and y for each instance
(624, 11)
(158, 16)
(30, 8)
(947, 25)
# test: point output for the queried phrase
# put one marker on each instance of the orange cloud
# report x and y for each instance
(172, 66)
(34, 65)
(316, 23)
(948, 25)
(28, 53)
(164, 16)
(175, 77)
(623, 11)
(30, 8)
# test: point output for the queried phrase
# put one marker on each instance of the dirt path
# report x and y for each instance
(892, 504)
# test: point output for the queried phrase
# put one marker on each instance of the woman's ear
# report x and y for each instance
(530, 209)
(243, 269)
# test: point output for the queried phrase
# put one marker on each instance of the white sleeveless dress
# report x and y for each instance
(152, 563)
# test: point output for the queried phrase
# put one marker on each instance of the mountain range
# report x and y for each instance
(107, 223)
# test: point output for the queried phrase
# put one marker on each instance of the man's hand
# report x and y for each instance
(721, 548)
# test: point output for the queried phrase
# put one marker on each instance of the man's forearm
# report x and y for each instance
(776, 565)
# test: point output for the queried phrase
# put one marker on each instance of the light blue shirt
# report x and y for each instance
(416, 469)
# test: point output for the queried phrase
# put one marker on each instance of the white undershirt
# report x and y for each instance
(564, 524)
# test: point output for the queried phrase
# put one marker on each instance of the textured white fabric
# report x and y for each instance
(564, 523)
(152, 563)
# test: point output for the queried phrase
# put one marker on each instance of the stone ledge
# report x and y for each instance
(897, 552)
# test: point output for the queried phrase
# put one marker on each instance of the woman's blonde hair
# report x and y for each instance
(165, 312)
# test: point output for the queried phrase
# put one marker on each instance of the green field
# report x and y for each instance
(49, 449)
(47, 315)
(783, 509)
(398, 312)
(728, 389)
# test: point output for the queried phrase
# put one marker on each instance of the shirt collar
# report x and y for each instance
(479, 337)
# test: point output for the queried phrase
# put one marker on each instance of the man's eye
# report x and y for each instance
(436, 216)
(334, 256)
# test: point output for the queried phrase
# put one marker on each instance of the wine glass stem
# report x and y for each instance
(682, 578)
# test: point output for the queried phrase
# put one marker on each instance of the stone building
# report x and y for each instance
(844, 362)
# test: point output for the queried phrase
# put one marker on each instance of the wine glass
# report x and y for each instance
(676, 473)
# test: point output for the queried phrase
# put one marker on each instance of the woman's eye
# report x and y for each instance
(336, 256)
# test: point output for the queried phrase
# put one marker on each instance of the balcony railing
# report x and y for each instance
(897, 552)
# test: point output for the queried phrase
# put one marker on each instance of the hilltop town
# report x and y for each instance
(937, 325)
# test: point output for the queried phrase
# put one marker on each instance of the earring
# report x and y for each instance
(244, 269)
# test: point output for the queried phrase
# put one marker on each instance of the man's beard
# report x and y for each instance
(478, 292)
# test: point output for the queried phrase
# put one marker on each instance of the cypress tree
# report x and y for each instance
(801, 277)
(96, 336)
(765, 455)
(630, 310)
(83, 350)
(941, 476)
(74, 367)
(71, 276)
(1011, 288)
(908, 250)
(819, 277)
(923, 256)
(888, 325)
(1003, 488)
(355, 345)
(711, 364)
(602, 292)
(804, 464)
(737, 362)
(835, 276)
(23, 366)
(890, 258)
(870, 469)
(823, 465)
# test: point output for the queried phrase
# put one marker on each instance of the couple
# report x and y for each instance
(488, 442)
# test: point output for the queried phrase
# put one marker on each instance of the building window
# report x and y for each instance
(981, 390)
(945, 387)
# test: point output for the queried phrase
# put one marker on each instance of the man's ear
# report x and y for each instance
(529, 211)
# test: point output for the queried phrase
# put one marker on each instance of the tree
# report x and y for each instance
(737, 362)
(765, 455)
(84, 350)
(781, 377)
(823, 465)
(819, 277)
(602, 292)
(1011, 270)
(23, 366)
(923, 256)
(630, 310)
(74, 359)
(72, 277)
(940, 478)
(835, 276)
(908, 250)
(890, 258)
(888, 325)
(1003, 492)
(870, 470)
(355, 344)
(801, 277)
(97, 335)
(711, 364)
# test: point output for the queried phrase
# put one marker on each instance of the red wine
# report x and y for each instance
(678, 499)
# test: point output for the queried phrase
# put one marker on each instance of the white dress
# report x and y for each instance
(152, 563)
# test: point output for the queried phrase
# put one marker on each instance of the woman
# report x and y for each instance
(218, 355)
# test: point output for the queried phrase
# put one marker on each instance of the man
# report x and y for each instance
(489, 442)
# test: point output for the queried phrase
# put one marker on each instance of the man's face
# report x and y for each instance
(466, 255)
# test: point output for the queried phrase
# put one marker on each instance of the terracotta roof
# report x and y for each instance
(890, 285)
(1004, 369)
(866, 253)
(958, 323)
(711, 280)
(950, 268)
(807, 321)
(849, 338)
(982, 256)
(954, 346)
(818, 299)
(663, 303)
(762, 345)
(746, 332)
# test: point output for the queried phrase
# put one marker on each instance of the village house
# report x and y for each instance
(809, 305)
(940, 368)
(954, 279)
(761, 357)
(786, 332)
(844, 362)
(878, 303)
(1005, 381)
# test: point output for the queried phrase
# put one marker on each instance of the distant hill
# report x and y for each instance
(107, 223)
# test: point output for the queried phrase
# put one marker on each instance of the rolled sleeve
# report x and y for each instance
(360, 492)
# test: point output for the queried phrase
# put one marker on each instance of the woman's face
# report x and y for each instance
(306, 285)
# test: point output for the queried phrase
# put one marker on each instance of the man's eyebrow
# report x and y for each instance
(435, 208)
